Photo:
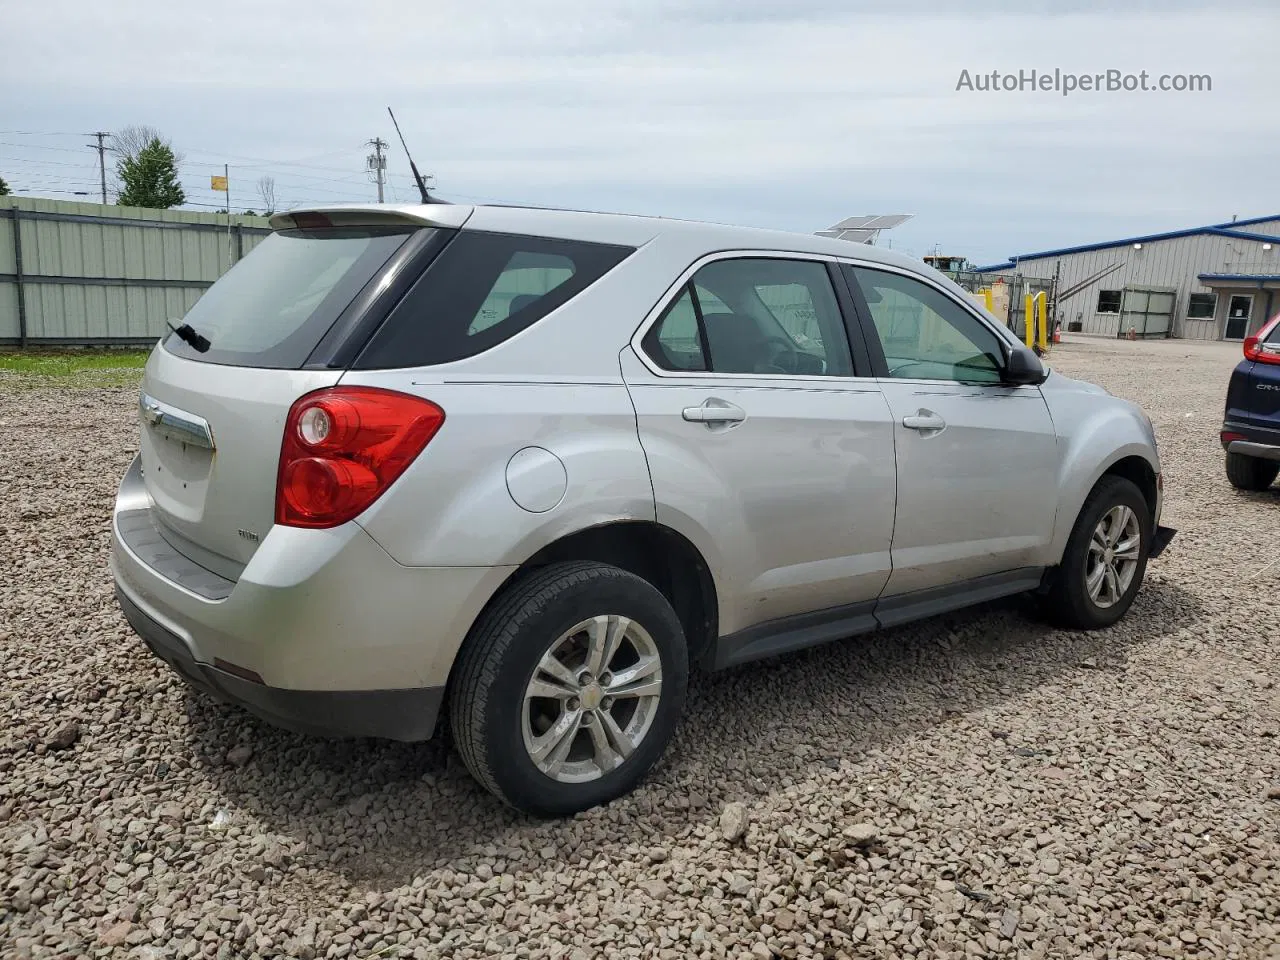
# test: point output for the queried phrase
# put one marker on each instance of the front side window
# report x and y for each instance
(754, 315)
(482, 289)
(924, 334)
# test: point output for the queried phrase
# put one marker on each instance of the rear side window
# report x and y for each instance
(482, 289)
(274, 306)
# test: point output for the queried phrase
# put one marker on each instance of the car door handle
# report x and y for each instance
(714, 410)
(925, 421)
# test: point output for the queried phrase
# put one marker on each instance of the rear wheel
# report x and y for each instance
(1251, 473)
(1106, 557)
(569, 688)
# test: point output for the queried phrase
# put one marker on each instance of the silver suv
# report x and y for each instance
(530, 466)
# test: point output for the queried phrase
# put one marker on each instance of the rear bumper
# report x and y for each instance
(1249, 440)
(321, 631)
(390, 714)
(1248, 448)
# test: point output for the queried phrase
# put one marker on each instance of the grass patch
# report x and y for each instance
(72, 368)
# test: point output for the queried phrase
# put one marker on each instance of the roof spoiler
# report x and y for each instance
(448, 216)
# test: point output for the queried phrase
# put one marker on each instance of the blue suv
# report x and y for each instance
(1251, 424)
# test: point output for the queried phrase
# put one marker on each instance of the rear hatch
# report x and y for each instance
(213, 415)
(1253, 397)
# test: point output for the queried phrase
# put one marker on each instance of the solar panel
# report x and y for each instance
(887, 222)
(864, 229)
(857, 236)
(851, 223)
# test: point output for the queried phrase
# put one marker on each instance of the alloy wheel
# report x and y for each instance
(1114, 552)
(592, 699)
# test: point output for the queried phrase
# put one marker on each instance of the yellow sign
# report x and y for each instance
(218, 183)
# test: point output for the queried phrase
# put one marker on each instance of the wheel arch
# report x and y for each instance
(1134, 462)
(657, 554)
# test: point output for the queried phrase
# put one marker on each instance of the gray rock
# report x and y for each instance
(65, 737)
(1009, 923)
(115, 935)
(733, 821)
(657, 889)
(861, 834)
(240, 755)
(1146, 810)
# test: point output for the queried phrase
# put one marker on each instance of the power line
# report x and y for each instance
(50, 163)
(257, 164)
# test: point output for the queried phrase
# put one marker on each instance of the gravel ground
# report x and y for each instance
(977, 785)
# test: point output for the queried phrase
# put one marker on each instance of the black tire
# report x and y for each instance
(498, 660)
(1068, 600)
(1251, 473)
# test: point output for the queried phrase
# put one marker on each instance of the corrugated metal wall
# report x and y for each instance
(1174, 263)
(90, 273)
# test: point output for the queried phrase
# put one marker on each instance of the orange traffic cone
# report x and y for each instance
(1057, 333)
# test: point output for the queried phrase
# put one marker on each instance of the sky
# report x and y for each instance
(791, 115)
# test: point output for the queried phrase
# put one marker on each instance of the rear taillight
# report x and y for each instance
(1228, 437)
(1256, 347)
(343, 446)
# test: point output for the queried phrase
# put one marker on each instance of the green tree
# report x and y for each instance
(150, 177)
(4, 188)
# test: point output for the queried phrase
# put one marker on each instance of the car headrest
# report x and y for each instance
(520, 301)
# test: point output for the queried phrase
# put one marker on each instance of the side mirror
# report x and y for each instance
(1024, 369)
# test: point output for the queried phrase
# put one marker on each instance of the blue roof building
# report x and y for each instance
(1218, 281)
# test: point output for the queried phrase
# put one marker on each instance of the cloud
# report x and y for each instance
(781, 114)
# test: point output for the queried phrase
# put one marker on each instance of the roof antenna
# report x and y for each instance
(422, 187)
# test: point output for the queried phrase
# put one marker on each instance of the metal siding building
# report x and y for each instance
(1235, 263)
(82, 273)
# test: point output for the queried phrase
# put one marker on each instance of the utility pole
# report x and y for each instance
(378, 162)
(226, 184)
(101, 147)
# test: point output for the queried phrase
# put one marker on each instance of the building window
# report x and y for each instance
(1109, 301)
(1202, 306)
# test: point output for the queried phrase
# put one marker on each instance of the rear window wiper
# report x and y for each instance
(187, 334)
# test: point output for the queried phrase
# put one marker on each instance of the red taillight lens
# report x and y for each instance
(1256, 347)
(343, 446)
(1226, 436)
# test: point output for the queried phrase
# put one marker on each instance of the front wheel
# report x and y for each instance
(1251, 473)
(1106, 557)
(569, 688)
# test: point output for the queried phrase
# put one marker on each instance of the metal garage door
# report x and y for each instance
(1147, 311)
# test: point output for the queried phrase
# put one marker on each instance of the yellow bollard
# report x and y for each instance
(1044, 320)
(989, 300)
(1028, 313)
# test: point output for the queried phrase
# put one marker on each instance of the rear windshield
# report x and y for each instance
(272, 308)
(482, 289)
